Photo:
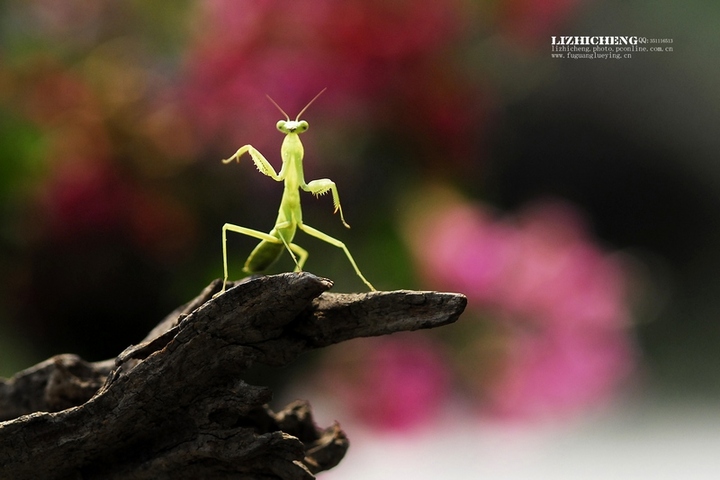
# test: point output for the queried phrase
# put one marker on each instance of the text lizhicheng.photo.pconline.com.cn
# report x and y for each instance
(605, 46)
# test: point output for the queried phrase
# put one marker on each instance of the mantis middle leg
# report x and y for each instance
(333, 241)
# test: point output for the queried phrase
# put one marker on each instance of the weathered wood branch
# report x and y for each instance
(175, 405)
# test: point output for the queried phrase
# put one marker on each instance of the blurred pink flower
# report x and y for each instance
(384, 62)
(561, 300)
(560, 276)
(558, 372)
(92, 198)
(85, 198)
(392, 383)
(463, 249)
(542, 266)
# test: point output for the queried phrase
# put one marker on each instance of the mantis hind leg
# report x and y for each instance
(333, 241)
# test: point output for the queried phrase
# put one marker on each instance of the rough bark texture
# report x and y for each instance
(174, 406)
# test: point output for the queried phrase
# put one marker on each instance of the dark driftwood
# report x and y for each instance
(174, 406)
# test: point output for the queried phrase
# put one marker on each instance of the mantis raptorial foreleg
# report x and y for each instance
(260, 161)
(321, 187)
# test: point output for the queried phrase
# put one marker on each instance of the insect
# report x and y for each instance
(289, 218)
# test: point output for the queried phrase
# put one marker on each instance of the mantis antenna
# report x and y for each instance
(287, 117)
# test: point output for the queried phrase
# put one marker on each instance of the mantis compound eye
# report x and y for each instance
(292, 126)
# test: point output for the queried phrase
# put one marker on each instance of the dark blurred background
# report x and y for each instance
(114, 117)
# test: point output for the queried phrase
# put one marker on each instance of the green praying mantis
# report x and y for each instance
(289, 218)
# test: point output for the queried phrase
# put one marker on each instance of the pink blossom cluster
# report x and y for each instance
(385, 63)
(392, 383)
(560, 301)
(547, 331)
(92, 199)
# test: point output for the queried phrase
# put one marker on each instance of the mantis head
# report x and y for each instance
(292, 126)
(288, 126)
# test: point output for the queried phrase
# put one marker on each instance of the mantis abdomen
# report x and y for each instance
(267, 252)
(263, 256)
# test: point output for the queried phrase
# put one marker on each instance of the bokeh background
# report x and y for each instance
(575, 203)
